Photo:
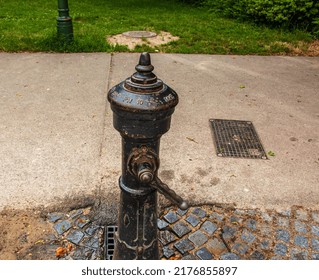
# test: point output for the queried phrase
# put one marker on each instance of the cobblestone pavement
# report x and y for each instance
(204, 233)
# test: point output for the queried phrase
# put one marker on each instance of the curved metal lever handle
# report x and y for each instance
(168, 193)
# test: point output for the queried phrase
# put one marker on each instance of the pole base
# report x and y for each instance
(65, 29)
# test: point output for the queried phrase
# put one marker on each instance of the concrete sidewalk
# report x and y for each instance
(58, 144)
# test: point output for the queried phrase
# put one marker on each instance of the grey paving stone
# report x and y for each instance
(252, 212)
(300, 227)
(53, 217)
(204, 254)
(235, 220)
(194, 221)
(88, 252)
(198, 238)
(74, 214)
(171, 217)
(266, 217)
(283, 222)
(276, 257)
(297, 254)
(252, 224)
(75, 236)
(315, 256)
(189, 257)
(315, 230)
(248, 236)
(315, 244)
(217, 216)
(161, 224)
(199, 212)
(68, 258)
(280, 249)
(229, 232)
(265, 244)
(62, 227)
(266, 229)
(301, 241)
(181, 212)
(301, 215)
(91, 242)
(216, 246)
(286, 212)
(184, 245)
(256, 255)
(240, 212)
(315, 217)
(82, 221)
(92, 229)
(229, 256)
(79, 254)
(209, 227)
(181, 228)
(240, 248)
(166, 237)
(82, 253)
(95, 255)
(167, 252)
(282, 234)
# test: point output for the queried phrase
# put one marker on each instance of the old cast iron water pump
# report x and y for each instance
(142, 106)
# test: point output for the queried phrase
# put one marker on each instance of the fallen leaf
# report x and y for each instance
(173, 258)
(70, 247)
(271, 153)
(82, 221)
(60, 252)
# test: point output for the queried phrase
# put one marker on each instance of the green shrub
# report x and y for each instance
(193, 2)
(302, 14)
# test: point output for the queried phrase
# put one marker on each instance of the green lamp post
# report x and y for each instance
(64, 22)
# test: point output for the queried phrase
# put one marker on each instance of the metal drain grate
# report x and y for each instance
(236, 139)
(109, 237)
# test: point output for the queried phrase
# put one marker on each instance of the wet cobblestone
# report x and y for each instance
(161, 224)
(206, 232)
(248, 234)
(192, 220)
(171, 217)
(198, 238)
(204, 254)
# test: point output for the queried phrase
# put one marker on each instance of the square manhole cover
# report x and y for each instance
(234, 138)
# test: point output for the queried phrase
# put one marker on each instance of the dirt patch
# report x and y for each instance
(302, 48)
(24, 235)
(313, 49)
(161, 39)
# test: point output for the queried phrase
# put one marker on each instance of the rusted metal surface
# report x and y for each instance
(142, 106)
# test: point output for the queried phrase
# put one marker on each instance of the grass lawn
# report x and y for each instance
(31, 26)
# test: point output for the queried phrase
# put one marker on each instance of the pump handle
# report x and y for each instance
(168, 193)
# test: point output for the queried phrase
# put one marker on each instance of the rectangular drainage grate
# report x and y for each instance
(234, 138)
(109, 241)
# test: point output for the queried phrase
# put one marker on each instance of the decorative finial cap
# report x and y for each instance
(144, 80)
(144, 64)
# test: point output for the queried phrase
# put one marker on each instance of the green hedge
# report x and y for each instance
(193, 2)
(302, 14)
